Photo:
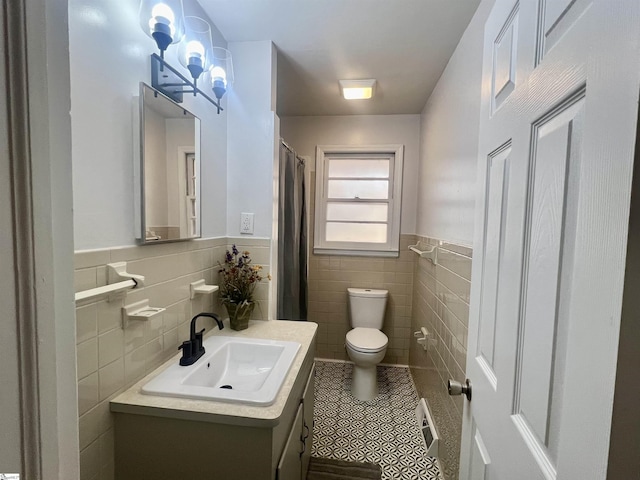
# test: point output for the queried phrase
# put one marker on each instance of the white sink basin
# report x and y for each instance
(233, 369)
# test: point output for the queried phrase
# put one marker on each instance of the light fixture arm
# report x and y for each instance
(172, 83)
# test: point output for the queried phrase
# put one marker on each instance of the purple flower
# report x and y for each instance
(229, 257)
(234, 249)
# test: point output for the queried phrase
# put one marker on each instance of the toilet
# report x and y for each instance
(366, 344)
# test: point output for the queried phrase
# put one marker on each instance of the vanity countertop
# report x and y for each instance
(132, 401)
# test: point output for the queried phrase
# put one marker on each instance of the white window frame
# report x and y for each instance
(392, 246)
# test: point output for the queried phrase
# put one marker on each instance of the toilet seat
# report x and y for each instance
(366, 340)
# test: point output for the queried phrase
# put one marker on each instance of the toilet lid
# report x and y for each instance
(366, 339)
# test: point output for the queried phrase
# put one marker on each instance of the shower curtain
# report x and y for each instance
(292, 238)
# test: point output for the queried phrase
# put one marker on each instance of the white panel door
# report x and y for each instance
(557, 131)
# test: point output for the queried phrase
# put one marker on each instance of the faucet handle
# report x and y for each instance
(187, 352)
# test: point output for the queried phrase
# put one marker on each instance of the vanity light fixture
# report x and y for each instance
(194, 51)
(221, 72)
(357, 89)
(163, 21)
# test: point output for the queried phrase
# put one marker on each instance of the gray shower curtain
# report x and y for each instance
(292, 238)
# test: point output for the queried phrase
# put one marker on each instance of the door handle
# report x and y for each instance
(457, 388)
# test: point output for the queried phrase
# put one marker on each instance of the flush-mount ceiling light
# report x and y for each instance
(357, 89)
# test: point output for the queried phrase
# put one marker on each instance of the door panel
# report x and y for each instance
(505, 51)
(556, 17)
(496, 195)
(480, 461)
(550, 235)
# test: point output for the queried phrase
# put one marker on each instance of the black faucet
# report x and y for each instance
(192, 349)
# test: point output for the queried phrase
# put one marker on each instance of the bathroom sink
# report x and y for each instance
(233, 369)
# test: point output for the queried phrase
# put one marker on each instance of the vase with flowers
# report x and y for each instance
(239, 279)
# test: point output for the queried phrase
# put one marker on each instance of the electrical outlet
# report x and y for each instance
(246, 223)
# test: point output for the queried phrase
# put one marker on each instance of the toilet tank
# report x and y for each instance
(367, 307)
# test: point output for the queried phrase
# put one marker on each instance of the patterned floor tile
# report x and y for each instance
(382, 431)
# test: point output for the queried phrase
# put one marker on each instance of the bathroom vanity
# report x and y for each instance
(168, 437)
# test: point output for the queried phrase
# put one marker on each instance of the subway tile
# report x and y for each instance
(134, 335)
(105, 415)
(453, 282)
(109, 315)
(170, 342)
(458, 264)
(154, 354)
(107, 471)
(90, 461)
(134, 365)
(107, 445)
(154, 327)
(246, 242)
(90, 258)
(89, 428)
(111, 378)
(87, 358)
(132, 253)
(101, 276)
(110, 346)
(85, 279)
(87, 393)
(86, 322)
(462, 250)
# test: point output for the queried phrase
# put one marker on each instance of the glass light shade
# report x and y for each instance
(195, 50)
(162, 20)
(221, 71)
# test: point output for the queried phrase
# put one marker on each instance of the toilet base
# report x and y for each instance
(364, 385)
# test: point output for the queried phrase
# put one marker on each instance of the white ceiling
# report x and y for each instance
(404, 44)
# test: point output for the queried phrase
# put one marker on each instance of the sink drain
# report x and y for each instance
(228, 387)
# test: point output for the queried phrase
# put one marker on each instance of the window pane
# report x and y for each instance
(361, 212)
(364, 167)
(365, 189)
(356, 232)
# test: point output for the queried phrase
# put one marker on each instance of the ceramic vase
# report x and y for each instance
(239, 315)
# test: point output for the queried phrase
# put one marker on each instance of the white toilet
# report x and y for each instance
(366, 344)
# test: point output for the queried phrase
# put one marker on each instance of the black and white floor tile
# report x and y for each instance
(383, 431)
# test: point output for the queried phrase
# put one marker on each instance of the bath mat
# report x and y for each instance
(329, 469)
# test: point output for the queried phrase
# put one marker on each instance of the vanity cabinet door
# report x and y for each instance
(307, 422)
(289, 465)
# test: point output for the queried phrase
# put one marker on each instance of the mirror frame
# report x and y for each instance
(140, 170)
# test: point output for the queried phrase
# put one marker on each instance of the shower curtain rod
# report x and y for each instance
(285, 145)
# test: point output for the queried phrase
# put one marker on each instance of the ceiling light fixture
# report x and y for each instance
(357, 89)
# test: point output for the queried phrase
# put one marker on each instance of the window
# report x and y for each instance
(358, 192)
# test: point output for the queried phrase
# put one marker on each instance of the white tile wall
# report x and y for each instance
(111, 358)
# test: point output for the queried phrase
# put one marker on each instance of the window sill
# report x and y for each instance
(356, 253)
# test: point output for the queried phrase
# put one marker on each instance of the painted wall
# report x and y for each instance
(446, 202)
(304, 133)
(102, 101)
(251, 127)
(449, 142)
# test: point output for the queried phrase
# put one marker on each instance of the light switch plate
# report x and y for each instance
(246, 223)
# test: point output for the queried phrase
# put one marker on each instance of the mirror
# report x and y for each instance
(170, 169)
